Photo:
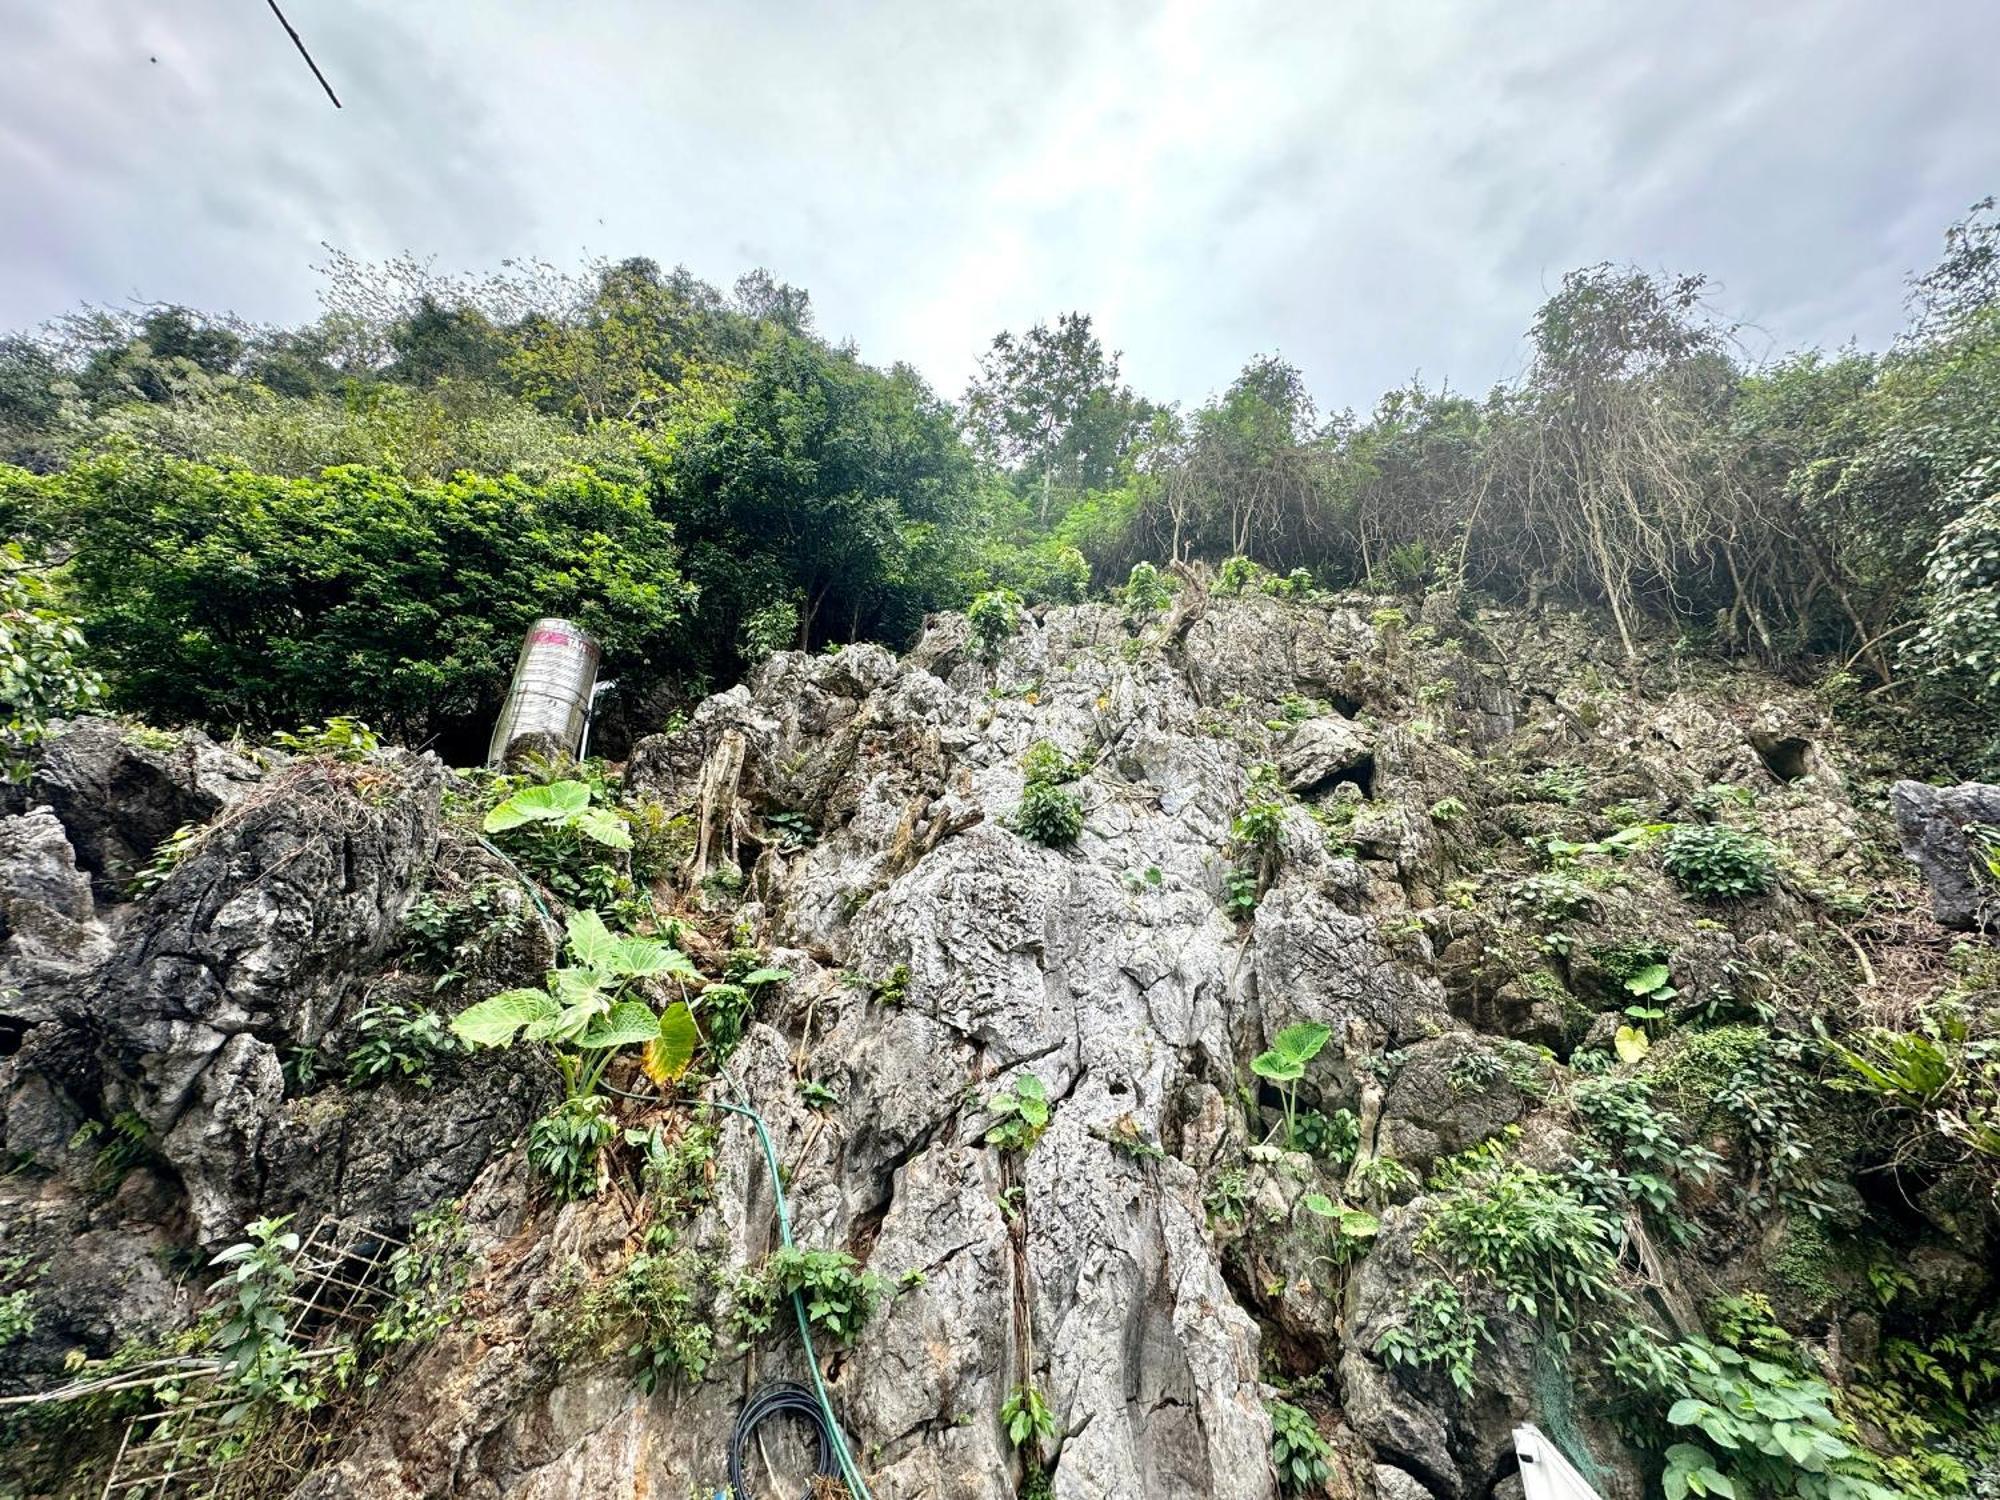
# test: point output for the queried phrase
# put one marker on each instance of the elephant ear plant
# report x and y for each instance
(1285, 1064)
(588, 1011)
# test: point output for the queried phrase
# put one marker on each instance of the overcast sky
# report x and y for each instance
(1372, 189)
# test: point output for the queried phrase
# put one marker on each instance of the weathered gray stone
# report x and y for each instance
(1932, 822)
(119, 796)
(1323, 751)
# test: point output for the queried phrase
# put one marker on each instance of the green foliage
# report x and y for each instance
(994, 617)
(1941, 1087)
(124, 1143)
(1256, 826)
(165, 859)
(1531, 1235)
(822, 482)
(1146, 591)
(1764, 1429)
(1717, 863)
(404, 599)
(1285, 1065)
(1026, 1417)
(448, 937)
(1049, 814)
(253, 1337)
(17, 1316)
(1350, 1230)
(1437, 1331)
(1653, 1162)
(1228, 1197)
(1298, 1452)
(653, 1307)
(588, 1010)
(838, 1296)
(1023, 1114)
(42, 672)
(1333, 1138)
(1240, 893)
(425, 1282)
(677, 1175)
(565, 1144)
(1381, 1180)
(398, 1039)
(341, 737)
(1959, 643)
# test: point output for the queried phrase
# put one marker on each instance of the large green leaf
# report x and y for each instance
(765, 976)
(1648, 979)
(553, 803)
(1302, 1040)
(1277, 1067)
(494, 1021)
(669, 1052)
(603, 826)
(591, 943)
(625, 1025)
(645, 958)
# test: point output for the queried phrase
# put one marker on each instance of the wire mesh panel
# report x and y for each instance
(195, 1446)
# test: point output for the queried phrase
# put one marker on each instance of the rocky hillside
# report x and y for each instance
(1267, 1045)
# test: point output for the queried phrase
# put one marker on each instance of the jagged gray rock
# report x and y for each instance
(49, 932)
(1933, 823)
(119, 794)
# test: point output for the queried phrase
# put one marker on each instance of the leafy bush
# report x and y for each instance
(341, 737)
(404, 599)
(1049, 814)
(588, 1010)
(562, 835)
(42, 675)
(654, 1302)
(1768, 1430)
(1298, 1452)
(1333, 1138)
(165, 859)
(1959, 644)
(253, 1336)
(1146, 590)
(1023, 1108)
(839, 1296)
(1437, 1331)
(1531, 1235)
(398, 1039)
(564, 1145)
(1046, 761)
(994, 617)
(1026, 1416)
(1717, 863)
(1256, 826)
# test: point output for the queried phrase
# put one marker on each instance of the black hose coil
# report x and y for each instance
(773, 1399)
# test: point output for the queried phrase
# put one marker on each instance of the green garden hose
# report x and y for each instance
(849, 1471)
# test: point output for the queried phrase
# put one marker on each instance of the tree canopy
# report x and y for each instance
(262, 524)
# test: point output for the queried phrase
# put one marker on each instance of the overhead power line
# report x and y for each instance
(292, 32)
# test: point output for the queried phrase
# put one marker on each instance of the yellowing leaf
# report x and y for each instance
(671, 1048)
(1632, 1044)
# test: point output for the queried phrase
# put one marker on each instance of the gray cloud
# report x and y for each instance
(1372, 190)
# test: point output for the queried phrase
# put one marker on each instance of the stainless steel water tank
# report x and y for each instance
(549, 702)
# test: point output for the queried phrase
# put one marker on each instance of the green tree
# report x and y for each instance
(1048, 406)
(232, 598)
(825, 483)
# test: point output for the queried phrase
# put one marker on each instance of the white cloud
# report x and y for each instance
(1371, 189)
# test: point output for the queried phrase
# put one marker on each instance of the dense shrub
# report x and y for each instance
(229, 598)
(1718, 863)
